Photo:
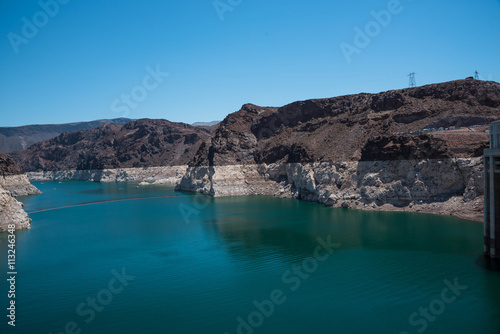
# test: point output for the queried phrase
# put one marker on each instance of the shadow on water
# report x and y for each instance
(488, 263)
(249, 224)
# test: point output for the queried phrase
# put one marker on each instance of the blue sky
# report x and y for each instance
(86, 58)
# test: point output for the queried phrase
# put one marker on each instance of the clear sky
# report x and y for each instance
(92, 59)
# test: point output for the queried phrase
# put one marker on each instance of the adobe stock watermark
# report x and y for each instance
(87, 309)
(363, 37)
(30, 28)
(428, 314)
(223, 6)
(293, 279)
(198, 204)
(139, 93)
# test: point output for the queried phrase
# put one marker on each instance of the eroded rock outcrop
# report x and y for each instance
(11, 212)
(447, 186)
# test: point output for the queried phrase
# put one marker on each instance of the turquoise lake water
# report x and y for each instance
(189, 264)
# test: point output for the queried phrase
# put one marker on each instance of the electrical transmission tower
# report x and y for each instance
(476, 76)
(413, 82)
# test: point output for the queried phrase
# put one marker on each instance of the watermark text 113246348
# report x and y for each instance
(11, 274)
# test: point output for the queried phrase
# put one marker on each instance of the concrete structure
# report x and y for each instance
(492, 194)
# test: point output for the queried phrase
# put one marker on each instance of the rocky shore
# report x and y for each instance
(447, 186)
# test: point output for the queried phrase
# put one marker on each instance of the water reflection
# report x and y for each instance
(251, 226)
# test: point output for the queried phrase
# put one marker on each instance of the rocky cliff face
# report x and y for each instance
(13, 182)
(384, 151)
(337, 129)
(138, 144)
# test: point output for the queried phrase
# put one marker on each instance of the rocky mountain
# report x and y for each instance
(138, 144)
(12, 213)
(418, 147)
(13, 182)
(337, 129)
(21, 137)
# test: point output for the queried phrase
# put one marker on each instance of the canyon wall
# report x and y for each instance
(417, 149)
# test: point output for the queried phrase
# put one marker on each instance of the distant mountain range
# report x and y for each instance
(21, 137)
(210, 126)
(205, 123)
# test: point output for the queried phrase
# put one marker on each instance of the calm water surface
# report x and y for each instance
(203, 265)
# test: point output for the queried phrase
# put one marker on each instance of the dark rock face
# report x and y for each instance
(387, 101)
(469, 91)
(141, 143)
(418, 147)
(358, 127)
(8, 166)
(21, 137)
(233, 142)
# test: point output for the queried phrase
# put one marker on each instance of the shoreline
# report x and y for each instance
(441, 186)
(436, 209)
(251, 180)
(143, 174)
